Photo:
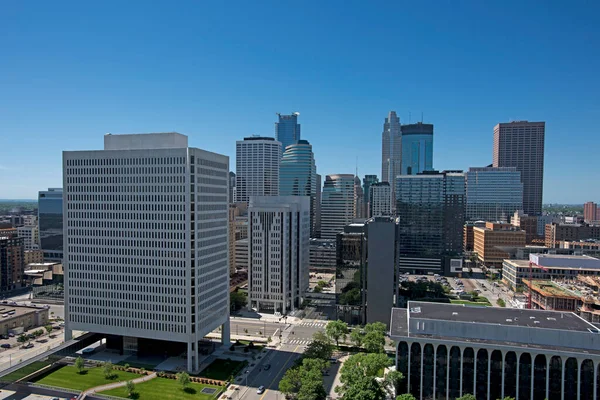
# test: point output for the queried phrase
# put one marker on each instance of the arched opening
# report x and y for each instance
(510, 374)
(403, 364)
(525, 376)
(454, 376)
(496, 375)
(571, 378)
(415, 370)
(441, 360)
(482, 374)
(428, 367)
(587, 380)
(539, 377)
(468, 369)
(555, 384)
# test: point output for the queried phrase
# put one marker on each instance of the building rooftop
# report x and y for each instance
(549, 289)
(18, 311)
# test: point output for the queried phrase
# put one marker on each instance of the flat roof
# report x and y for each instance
(499, 316)
(19, 311)
(549, 288)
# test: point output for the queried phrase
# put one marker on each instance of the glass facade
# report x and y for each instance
(287, 129)
(493, 194)
(417, 148)
(298, 176)
(50, 219)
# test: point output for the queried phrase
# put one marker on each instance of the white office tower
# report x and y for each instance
(337, 204)
(278, 252)
(257, 162)
(380, 199)
(145, 243)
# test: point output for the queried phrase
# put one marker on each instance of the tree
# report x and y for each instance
(130, 386)
(184, 379)
(22, 338)
(392, 381)
(374, 341)
(107, 368)
(318, 289)
(305, 381)
(363, 388)
(362, 364)
(319, 348)
(356, 336)
(48, 328)
(376, 327)
(238, 300)
(337, 330)
(406, 396)
(290, 384)
(79, 365)
(467, 396)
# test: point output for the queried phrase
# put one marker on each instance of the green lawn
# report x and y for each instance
(164, 389)
(470, 303)
(67, 377)
(23, 372)
(133, 364)
(222, 369)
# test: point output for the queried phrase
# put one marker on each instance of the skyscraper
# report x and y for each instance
(278, 252)
(417, 148)
(231, 186)
(493, 194)
(359, 199)
(318, 208)
(520, 144)
(337, 204)
(287, 129)
(391, 148)
(380, 199)
(50, 219)
(257, 161)
(12, 263)
(368, 180)
(298, 176)
(431, 212)
(590, 211)
(146, 243)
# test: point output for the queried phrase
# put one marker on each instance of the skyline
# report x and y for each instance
(67, 80)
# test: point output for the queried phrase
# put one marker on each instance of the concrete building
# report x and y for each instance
(359, 205)
(447, 351)
(493, 194)
(241, 253)
(11, 263)
(590, 212)
(548, 267)
(368, 180)
(44, 273)
(337, 204)
(556, 233)
(431, 211)
(33, 256)
(417, 148)
(550, 296)
(469, 236)
(30, 220)
(318, 208)
(278, 252)
(543, 220)
(520, 144)
(380, 199)
(30, 235)
(527, 223)
(489, 240)
(233, 213)
(298, 176)
(50, 218)
(391, 148)
(322, 254)
(366, 284)
(590, 247)
(16, 319)
(231, 194)
(146, 243)
(287, 129)
(257, 161)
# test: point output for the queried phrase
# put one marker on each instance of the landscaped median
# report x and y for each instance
(169, 389)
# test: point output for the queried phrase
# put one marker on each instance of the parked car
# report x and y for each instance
(260, 390)
(5, 345)
(11, 334)
(27, 346)
(4, 337)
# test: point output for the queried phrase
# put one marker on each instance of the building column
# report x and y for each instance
(190, 355)
(475, 371)
(461, 368)
(489, 372)
(409, 344)
(595, 380)
(503, 372)
(422, 353)
(434, 369)
(68, 334)
(517, 388)
(532, 373)
(562, 381)
(448, 372)
(196, 361)
(579, 365)
(225, 333)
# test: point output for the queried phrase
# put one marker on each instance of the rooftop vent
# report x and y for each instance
(536, 322)
(415, 310)
(508, 320)
(551, 319)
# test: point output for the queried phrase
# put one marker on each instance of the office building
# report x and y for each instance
(417, 148)
(527, 223)
(520, 144)
(543, 220)
(450, 350)
(322, 255)
(241, 254)
(287, 129)
(548, 267)
(30, 220)
(33, 256)
(30, 235)
(146, 245)
(468, 234)
(358, 199)
(257, 167)
(590, 212)
(12, 263)
(337, 204)
(318, 208)
(556, 233)
(391, 148)
(366, 276)
(489, 240)
(431, 211)
(380, 199)
(278, 252)
(231, 187)
(50, 220)
(298, 176)
(493, 194)
(368, 180)
(233, 213)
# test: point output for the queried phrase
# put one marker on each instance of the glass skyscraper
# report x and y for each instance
(50, 219)
(287, 130)
(298, 176)
(493, 194)
(417, 148)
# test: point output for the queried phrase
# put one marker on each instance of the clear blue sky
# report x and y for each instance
(219, 71)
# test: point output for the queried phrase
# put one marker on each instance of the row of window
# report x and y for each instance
(127, 161)
(111, 178)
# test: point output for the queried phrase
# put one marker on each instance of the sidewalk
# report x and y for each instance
(115, 385)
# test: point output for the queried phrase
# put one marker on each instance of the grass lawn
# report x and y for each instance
(23, 372)
(164, 389)
(222, 369)
(470, 303)
(67, 377)
(133, 364)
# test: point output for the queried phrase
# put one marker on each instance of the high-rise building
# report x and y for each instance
(417, 148)
(431, 211)
(287, 129)
(520, 144)
(30, 235)
(257, 161)
(590, 211)
(231, 186)
(298, 176)
(391, 148)
(318, 208)
(146, 245)
(50, 220)
(380, 199)
(493, 194)
(358, 199)
(337, 204)
(368, 180)
(278, 252)
(12, 263)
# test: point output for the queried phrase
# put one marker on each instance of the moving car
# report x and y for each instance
(260, 390)
(5, 346)
(27, 346)
(267, 367)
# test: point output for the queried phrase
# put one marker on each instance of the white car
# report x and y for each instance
(260, 390)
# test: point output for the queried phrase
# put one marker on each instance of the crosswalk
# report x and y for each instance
(314, 324)
(300, 341)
